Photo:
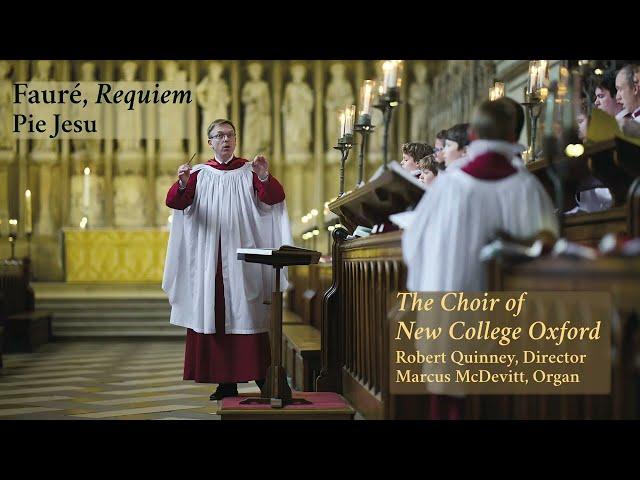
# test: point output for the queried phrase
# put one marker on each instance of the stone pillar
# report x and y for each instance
(276, 85)
(315, 176)
(235, 104)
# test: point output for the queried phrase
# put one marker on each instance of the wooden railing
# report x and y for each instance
(355, 343)
(621, 277)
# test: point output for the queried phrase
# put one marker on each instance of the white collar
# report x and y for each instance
(501, 147)
(215, 157)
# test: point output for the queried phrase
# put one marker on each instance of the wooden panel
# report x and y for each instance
(371, 268)
(621, 277)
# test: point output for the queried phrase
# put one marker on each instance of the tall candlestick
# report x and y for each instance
(13, 227)
(85, 192)
(28, 218)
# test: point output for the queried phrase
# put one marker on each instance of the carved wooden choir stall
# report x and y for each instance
(355, 345)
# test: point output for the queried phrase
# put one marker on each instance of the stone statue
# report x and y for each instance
(7, 139)
(339, 95)
(44, 148)
(213, 96)
(162, 212)
(375, 140)
(172, 117)
(418, 92)
(87, 150)
(44, 152)
(129, 127)
(297, 109)
(130, 200)
(257, 114)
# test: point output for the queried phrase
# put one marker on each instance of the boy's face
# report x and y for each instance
(408, 163)
(427, 177)
(451, 152)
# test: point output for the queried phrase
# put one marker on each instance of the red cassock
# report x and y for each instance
(221, 357)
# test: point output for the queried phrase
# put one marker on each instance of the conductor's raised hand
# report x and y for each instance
(260, 166)
(184, 172)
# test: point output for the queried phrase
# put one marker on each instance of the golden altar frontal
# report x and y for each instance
(114, 256)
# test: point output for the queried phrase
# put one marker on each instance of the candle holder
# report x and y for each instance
(533, 104)
(13, 236)
(28, 235)
(345, 144)
(386, 103)
(364, 128)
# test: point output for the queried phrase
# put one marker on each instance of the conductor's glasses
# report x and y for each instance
(220, 136)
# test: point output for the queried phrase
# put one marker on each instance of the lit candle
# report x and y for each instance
(543, 74)
(533, 76)
(367, 93)
(393, 74)
(350, 113)
(85, 192)
(498, 90)
(342, 123)
(386, 69)
(28, 219)
(549, 114)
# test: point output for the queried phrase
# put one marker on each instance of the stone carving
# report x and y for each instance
(297, 109)
(257, 114)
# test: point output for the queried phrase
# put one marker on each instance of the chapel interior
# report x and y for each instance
(84, 323)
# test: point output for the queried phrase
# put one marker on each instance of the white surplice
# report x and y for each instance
(225, 206)
(461, 213)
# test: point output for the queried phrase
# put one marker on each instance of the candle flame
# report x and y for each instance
(87, 171)
(27, 193)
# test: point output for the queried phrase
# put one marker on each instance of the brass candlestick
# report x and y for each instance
(387, 102)
(12, 241)
(364, 128)
(345, 144)
(533, 104)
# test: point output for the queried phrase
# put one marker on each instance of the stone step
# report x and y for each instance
(117, 314)
(178, 333)
(106, 311)
(74, 304)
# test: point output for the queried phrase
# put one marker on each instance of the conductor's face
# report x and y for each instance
(223, 141)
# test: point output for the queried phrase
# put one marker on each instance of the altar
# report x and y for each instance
(114, 255)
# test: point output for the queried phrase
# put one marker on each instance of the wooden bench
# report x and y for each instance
(25, 328)
(288, 318)
(302, 354)
(301, 337)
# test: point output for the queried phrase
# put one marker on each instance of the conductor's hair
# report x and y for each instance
(494, 120)
(220, 121)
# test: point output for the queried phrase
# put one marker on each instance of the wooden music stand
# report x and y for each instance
(276, 390)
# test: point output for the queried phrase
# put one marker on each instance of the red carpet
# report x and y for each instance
(320, 401)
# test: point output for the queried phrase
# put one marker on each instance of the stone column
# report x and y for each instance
(276, 85)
